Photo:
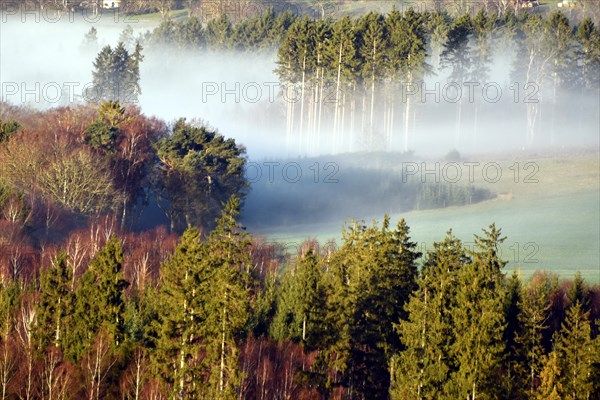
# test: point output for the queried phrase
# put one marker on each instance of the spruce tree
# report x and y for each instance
(550, 387)
(99, 301)
(578, 354)
(457, 57)
(372, 38)
(372, 277)
(513, 353)
(535, 308)
(204, 309)
(116, 75)
(226, 301)
(180, 315)
(588, 38)
(423, 368)
(479, 321)
(301, 306)
(56, 302)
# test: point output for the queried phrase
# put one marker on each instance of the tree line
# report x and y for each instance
(224, 315)
(364, 79)
(360, 82)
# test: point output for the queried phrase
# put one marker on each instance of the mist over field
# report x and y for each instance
(239, 93)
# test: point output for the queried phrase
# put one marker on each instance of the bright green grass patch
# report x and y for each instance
(560, 234)
(551, 225)
(157, 18)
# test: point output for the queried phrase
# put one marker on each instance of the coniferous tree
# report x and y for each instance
(116, 75)
(578, 354)
(372, 44)
(180, 315)
(301, 307)
(405, 60)
(56, 302)
(535, 308)
(513, 354)
(103, 134)
(372, 276)
(423, 368)
(218, 32)
(226, 301)
(7, 129)
(559, 48)
(198, 170)
(479, 320)
(99, 301)
(550, 387)
(588, 38)
(484, 25)
(456, 55)
(579, 292)
(341, 60)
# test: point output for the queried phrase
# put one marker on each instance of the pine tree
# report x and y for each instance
(301, 306)
(456, 55)
(180, 315)
(578, 354)
(226, 301)
(422, 370)
(99, 301)
(479, 320)
(535, 307)
(550, 387)
(513, 353)
(372, 277)
(56, 302)
(199, 170)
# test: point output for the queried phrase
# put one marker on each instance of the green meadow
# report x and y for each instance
(552, 224)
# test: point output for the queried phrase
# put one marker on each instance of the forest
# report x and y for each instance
(365, 83)
(126, 271)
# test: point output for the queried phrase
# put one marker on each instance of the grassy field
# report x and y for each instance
(356, 8)
(553, 224)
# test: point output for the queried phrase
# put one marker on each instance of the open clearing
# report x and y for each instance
(552, 225)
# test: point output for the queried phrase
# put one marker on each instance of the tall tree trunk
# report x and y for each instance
(371, 119)
(337, 98)
(320, 106)
(304, 329)
(406, 122)
(458, 124)
(343, 120)
(352, 115)
(316, 109)
(301, 134)
(222, 372)
(475, 124)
